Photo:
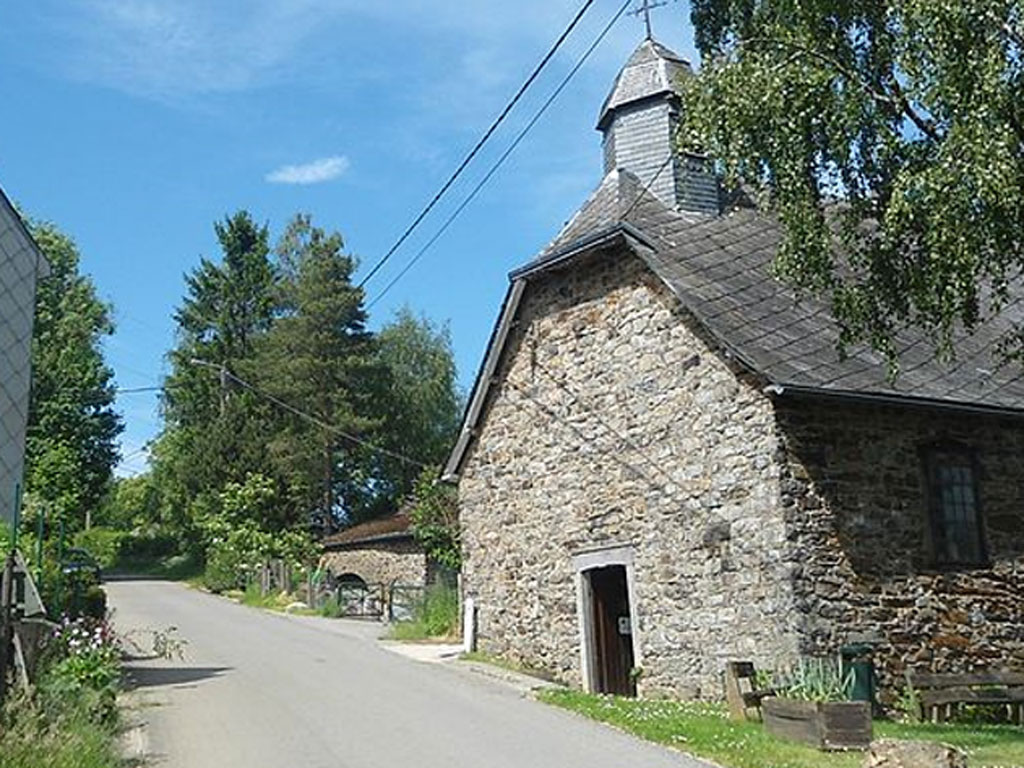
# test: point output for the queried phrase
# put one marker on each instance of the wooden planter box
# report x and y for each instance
(825, 725)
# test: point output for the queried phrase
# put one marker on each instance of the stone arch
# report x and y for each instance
(350, 579)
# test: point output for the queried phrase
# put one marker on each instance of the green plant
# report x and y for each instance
(105, 544)
(43, 732)
(440, 611)
(435, 520)
(83, 662)
(436, 616)
(331, 608)
(94, 602)
(908, 704)
(815, 680)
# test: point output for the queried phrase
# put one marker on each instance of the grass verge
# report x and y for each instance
(511, 666)
(73, 739)
(272, 601)
(704, 729)
(70, 717)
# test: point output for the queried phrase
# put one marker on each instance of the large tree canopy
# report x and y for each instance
(72, 431)
(420, 404)
(318, 358)
(331, 421)
(888, 138)
(227, 307)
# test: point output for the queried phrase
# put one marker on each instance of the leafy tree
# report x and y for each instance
(420, 404)
(887, 136)
(131, 503)
(318, 358)
(70, 446)
(435, 522)
(238, 542)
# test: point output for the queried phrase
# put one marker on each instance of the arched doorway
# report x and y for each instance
(350, 580)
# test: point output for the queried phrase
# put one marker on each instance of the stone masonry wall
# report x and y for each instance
(392, 561)
(612, 422)
(854, 495)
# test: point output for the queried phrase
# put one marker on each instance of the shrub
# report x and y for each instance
(105, 544)
(94, 602)
(440, 611)
(33, 734)
(150, 545)
(331, 608)
(83, 664)
(224, 568)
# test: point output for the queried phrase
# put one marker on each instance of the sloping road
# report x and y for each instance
(260, 690)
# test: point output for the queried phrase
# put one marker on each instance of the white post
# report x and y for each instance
(468, 625)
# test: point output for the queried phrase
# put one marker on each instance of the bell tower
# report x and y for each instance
(639, 120)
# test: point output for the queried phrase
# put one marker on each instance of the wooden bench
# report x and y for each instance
(942, 695)
(741, 692)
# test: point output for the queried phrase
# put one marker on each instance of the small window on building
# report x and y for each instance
(953, 507)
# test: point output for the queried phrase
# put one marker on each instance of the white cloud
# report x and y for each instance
(168, 49)
(316, 172)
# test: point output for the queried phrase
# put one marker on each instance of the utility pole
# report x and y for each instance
(223, 388)
(222, 372)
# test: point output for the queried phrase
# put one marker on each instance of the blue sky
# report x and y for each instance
(134, 124)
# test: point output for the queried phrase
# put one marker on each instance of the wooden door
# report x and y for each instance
(612, 645)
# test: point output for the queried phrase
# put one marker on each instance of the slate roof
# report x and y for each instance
(719, 268)
(614, 199)
(394, 526)
(652, 70)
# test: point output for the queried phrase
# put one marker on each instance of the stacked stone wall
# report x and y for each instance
(612, 422)
(854, 496)
(393, 561)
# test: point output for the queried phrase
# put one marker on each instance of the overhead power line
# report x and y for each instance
(308, 416)
(479, 145)
(501, 160)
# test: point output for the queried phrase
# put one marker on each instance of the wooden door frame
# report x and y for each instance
(584, 562)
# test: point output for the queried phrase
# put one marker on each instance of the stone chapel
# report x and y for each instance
(665, 465)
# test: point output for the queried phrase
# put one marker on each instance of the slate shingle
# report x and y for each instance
(720, 269)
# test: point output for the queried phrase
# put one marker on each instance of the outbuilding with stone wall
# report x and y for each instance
(380, 552)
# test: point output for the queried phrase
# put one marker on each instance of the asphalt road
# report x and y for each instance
(261, 690)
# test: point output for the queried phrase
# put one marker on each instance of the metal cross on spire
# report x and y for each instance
(644, 8)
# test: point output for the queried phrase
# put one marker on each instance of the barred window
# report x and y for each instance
(953, 507)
